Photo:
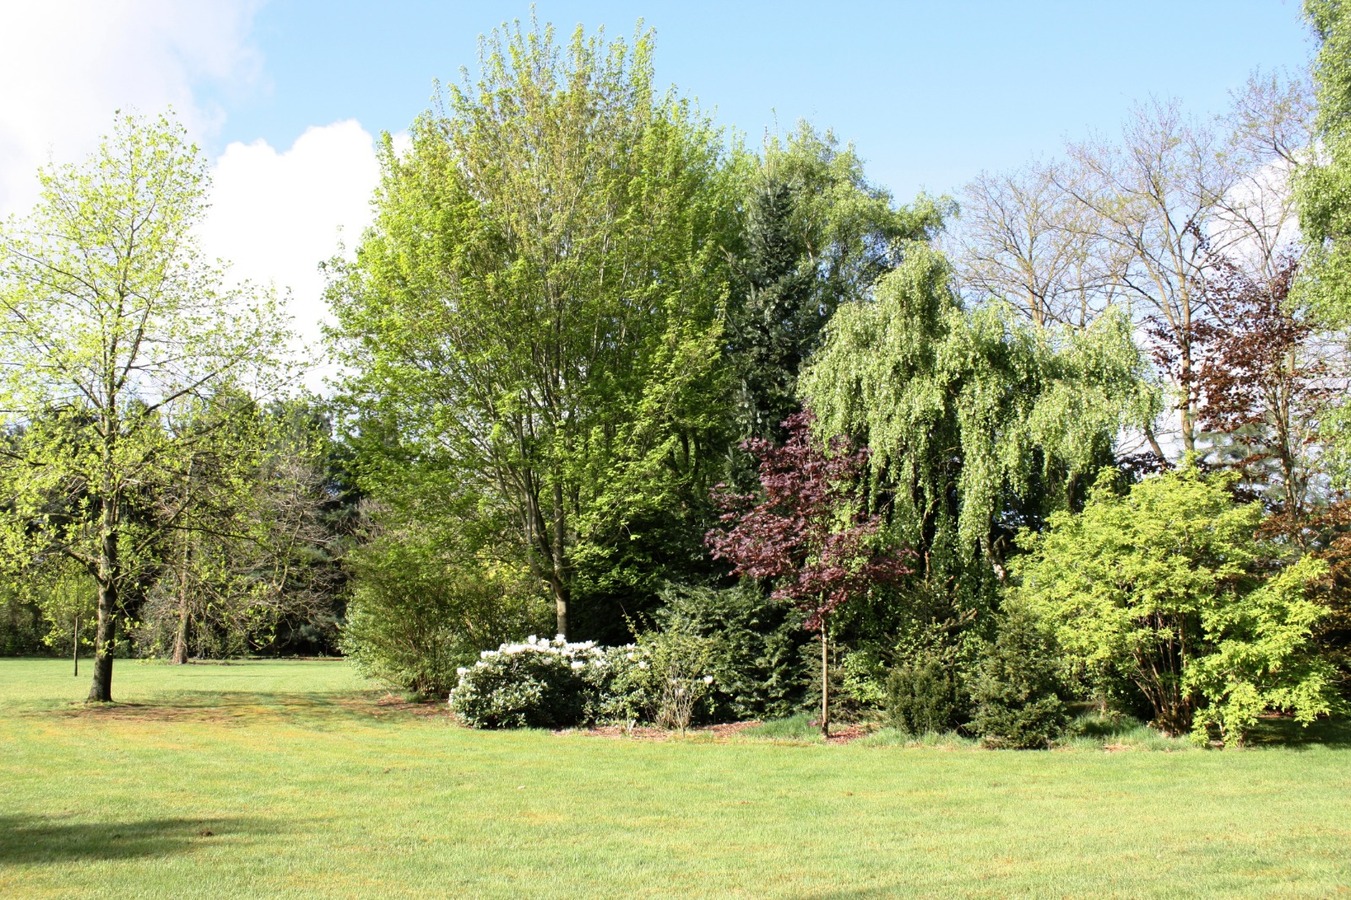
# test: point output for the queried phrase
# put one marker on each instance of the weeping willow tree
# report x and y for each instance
(978, 423)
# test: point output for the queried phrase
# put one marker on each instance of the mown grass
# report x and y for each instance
(296, 778)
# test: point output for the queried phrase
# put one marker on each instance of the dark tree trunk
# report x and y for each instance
(105, 636)
(825, 682)
(1160, 671)
(101, 690)
(180, 652)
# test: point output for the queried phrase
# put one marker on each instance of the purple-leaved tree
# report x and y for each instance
(807, 530)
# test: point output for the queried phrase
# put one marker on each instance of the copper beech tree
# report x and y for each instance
(1264, 385)
(807, 530)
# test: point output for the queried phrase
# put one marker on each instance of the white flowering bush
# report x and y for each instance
(549, 683)
(539, 683)
(666, 678)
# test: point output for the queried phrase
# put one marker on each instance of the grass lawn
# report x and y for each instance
(293, 778)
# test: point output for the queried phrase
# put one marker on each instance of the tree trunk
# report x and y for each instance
(560, 592)
(105, 636)
(560, 561)
(101, 690)
(1159, 676)
(180, 653)
(825, 683)
(75, 646)
(1187, 405)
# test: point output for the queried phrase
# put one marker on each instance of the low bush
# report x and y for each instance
(924, 694)
(756, 667)
(540, 683)
(665, 678)
(1016, 694)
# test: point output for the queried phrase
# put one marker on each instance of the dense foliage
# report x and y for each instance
(810, 534)
(609, 373)
(1016, 693)
(537, 307)
(1168, 585)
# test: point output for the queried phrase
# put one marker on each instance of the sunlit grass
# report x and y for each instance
(297, 778)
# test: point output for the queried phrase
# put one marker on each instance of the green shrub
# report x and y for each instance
(756, 669)
(419, 610)
(540, 683)
(924, 693)
(1173, 585)
(666, 678)
(404, 639)
(21, 626)
(1015, 693)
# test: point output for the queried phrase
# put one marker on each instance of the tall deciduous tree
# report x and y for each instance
(1139, 222)
(112, 322)
(1023, 237)
(538, 301)
(1152, 198)
(1324, 186)
(250, 551)
(808, 531)
(1265, 381)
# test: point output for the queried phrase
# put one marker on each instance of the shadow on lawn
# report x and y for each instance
(315, 709)
(41, 840)
(1270, 731)
(1277, 731)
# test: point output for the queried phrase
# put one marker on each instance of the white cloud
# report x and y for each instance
(276, 215)
(67, 65)
(1257, 219)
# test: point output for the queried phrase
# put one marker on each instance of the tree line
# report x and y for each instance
(610, 374)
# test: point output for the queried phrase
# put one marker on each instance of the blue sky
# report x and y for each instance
(286, 97)
(930, 92)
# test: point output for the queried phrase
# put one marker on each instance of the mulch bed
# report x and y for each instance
(839, 734)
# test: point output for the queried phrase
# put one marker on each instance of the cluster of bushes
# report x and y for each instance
(1158, 601)
(688, 674)
(1011, 694)
(664, 678)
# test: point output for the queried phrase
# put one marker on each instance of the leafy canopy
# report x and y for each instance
(538, 304)
(1169, 586)
(112, 326)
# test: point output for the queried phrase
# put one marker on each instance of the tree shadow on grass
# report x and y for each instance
(44, 840)
(317, 710)
(1278, 731)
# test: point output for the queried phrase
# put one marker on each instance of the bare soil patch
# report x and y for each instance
(840, 734)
